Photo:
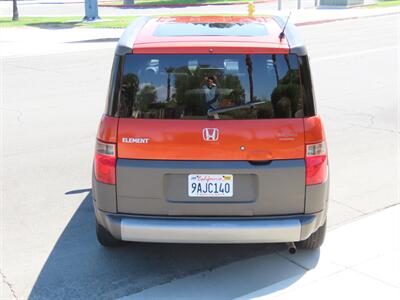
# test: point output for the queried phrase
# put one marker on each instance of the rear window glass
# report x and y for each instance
(210, 29)
(210, 86)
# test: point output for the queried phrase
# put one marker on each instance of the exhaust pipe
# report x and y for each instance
(291, 247)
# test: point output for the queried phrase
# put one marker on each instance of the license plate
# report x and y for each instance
(210, 185)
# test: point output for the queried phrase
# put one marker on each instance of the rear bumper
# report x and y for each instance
(211, 230)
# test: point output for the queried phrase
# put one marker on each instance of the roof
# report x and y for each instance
(210, 34)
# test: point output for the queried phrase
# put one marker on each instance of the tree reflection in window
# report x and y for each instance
(177, 88)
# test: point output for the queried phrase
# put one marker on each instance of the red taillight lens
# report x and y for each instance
(104, 164)
(316, 163)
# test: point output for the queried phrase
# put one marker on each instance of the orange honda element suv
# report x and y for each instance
(210, 135)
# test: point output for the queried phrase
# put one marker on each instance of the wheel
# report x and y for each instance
(105, 238)
(315, 240)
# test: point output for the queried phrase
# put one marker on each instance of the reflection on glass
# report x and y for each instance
(211, 29)
(210, 86)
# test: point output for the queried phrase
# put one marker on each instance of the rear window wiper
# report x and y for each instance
(212, 112)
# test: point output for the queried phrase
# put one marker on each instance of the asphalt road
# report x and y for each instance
(51, 105)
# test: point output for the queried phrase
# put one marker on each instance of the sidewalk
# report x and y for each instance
(359, 260)
(319, 16)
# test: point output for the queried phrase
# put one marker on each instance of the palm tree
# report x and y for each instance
(249, 64)
(15, 16)
(288, 63)
(169, 71)
(275, 68)
(129, 90)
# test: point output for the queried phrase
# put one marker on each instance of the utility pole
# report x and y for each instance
(279, 4)
(298, 4)
(15, 16)
(91, 10)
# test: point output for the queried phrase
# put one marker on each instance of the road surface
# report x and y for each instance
(51, 106)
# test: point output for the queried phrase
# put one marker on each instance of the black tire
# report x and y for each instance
(315, 240)
(105, 238)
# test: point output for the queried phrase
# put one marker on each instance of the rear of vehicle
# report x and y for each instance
(210, 136)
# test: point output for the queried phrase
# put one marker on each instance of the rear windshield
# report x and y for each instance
(210, 29)
(210, 86)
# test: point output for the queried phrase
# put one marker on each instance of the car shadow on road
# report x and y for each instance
(79, 268)
(54, 25)
(101, 40)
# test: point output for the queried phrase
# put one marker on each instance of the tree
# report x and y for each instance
(249, 64)
(146, 96)
(15, 16)
(129, 89)
(275, 68)
(169, 71)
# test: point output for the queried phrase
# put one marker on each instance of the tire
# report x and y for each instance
(105, 238)
(315, 240)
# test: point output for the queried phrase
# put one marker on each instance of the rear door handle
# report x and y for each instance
(260, 162)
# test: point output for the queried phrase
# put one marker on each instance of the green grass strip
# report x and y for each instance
(175, 2)
(67, 22)
(385, 3)
(76, 22)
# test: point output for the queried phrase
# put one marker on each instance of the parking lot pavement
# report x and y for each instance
(51, 107)
(13, 41)
(358, 261)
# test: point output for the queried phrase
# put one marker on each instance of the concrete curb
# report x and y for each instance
(308, 273)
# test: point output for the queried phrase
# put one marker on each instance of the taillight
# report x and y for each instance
(316, 163)
(104, 164)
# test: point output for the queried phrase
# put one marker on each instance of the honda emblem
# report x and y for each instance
(210, 134)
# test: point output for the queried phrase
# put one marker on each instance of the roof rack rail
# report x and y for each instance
(292, 35)
(125, 43)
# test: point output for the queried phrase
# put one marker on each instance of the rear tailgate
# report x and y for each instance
(265, 157)
(235, 140)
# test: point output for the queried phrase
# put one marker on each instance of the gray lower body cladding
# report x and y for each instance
(154, 187)
(150, 203)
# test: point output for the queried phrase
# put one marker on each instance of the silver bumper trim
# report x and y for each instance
(210, 231)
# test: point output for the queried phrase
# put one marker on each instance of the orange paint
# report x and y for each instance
(183, 139)
(203, 47)
(108, 129)
(147, 42)
(313, 130)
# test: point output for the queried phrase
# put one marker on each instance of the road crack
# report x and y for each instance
(4, 278)
(375, 128)
(17, 111)
(293, 262)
